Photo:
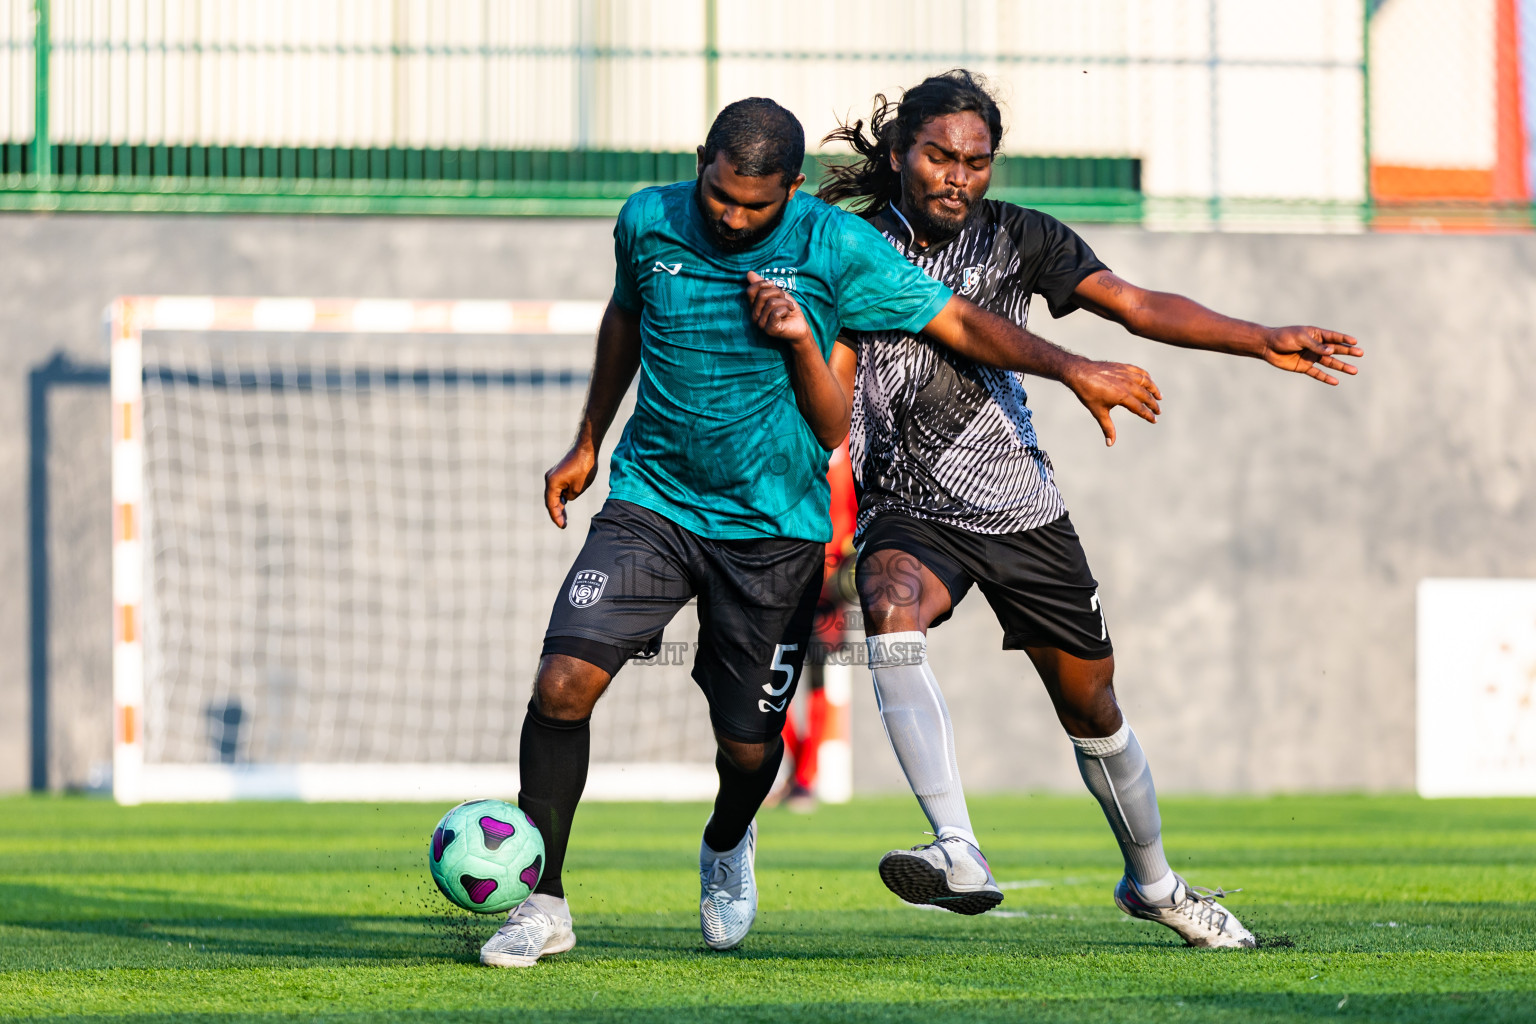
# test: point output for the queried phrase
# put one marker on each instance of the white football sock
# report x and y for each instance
(1116, 773)
(917, 724)
(554, 906)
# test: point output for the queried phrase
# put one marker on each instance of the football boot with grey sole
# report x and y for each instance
(1194, 914)
(539, 926)
(728, 892)
(948, 873)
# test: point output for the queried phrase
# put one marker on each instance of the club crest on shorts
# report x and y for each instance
(587, 588)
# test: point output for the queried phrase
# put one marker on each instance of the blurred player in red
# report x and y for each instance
(827, 637)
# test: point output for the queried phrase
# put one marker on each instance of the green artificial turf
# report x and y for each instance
(1380, 908)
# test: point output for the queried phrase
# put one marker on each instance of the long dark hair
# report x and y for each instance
(893, 127)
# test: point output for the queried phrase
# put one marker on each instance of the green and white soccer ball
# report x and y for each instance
(486, 856)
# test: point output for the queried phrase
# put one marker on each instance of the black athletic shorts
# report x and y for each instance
(1037, 581)
(757, 598)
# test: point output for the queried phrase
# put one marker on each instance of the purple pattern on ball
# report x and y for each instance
(530, 874)
(496, 832)
(441, 837)
(479, 889)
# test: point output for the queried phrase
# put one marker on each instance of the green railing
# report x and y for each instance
(76, 64)
(596, 76)
(272, 179)
(74, 73)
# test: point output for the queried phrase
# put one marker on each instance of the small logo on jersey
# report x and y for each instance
(671, 268)
(784, 277)
(587, 588)
(970, 280)
(766, 706)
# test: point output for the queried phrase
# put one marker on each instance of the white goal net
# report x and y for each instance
(333, 568)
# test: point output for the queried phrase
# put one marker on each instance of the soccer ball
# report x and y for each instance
(486, 856)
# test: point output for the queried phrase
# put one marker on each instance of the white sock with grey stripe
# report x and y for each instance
(917, 724)
(1116, 772)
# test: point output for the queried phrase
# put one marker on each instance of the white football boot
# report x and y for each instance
(948, 873)
(1194, 914)
(728, 892)
(538, 926)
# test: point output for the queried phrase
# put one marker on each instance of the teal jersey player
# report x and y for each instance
(717, 443)
(731, 291)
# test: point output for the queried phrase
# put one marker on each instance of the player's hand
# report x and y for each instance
(568, 478)
(1102, 386)
(777, 314)
(1312, 351)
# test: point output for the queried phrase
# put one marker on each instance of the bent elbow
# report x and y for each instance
(1138, 321)
(832, 440)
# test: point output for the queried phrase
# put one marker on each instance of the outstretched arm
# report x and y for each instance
(618, 357)
(825, 400)
(971, 331)
(1175, 320)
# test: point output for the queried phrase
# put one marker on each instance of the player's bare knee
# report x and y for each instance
(883, 617)
(567, 688)
(1082, 690)
(1100, 718)
(892, 595)
(746, 757)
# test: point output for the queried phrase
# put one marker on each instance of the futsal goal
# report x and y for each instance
(332, 563)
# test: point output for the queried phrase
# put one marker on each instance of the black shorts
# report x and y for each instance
(757, 598)
(1037, 581)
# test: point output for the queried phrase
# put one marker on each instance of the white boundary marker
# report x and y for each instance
(383, 783)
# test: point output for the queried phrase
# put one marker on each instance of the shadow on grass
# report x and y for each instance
(163, 926)
(1406, 1007)
(294, 940)
(157, 927)
(137, 927)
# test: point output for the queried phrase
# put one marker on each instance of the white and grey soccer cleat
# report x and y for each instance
(948, 873)
(728, 892)
(539, 926)
(1194, 914)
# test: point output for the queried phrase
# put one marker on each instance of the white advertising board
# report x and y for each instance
(1476, 687)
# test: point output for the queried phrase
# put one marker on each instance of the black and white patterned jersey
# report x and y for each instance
(941, 437)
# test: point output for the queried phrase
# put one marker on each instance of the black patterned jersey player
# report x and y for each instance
(946, 438)
(955, 491)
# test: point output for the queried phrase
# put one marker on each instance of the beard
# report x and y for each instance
(734, 239)
(935, 223)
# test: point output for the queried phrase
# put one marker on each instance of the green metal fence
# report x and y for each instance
(430, 181)
(1197, 112)
(82, 71)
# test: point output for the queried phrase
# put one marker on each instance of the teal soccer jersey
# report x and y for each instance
(716, 443)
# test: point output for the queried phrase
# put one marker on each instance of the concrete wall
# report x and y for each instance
(1257, 550)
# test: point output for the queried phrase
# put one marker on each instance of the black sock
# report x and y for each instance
(741, 794)
(552, 763)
